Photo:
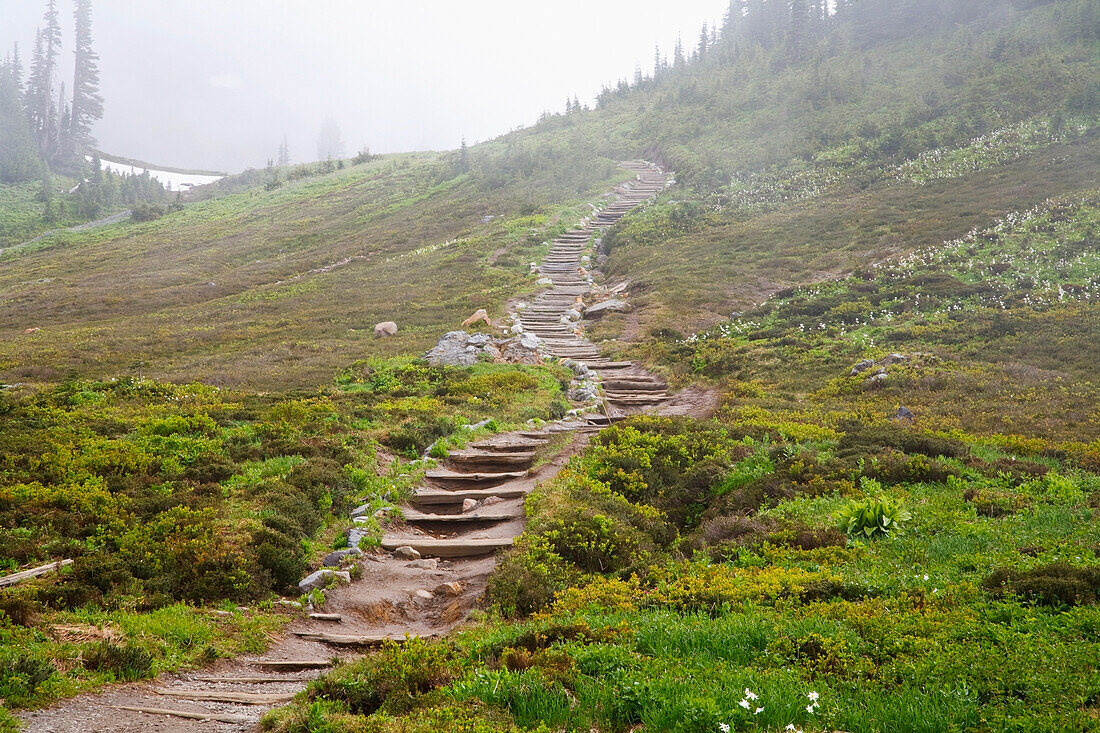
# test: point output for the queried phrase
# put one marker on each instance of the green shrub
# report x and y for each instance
(1056, 584)
(125, 662)
(871, 517)
(860, 438)
(528, 577)
(392, 678)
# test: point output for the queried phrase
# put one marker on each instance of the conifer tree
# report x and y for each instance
(87, 102)
(18, 158)
(284, 153)
(704, 39)
(678, 60)
(51, 47)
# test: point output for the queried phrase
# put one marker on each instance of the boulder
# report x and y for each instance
(335, 559)
(894, 359)
(468, 505)
(360, 510)
(904, 415)
(530, 341)
(612, 305)
(448, 589)
(321, 578)
(450, 350)
(385, 329)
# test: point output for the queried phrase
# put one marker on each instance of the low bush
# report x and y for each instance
(125, 662)
(391, 679)
(1055, 584)
(860, 438)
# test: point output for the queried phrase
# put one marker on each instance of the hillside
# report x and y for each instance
(877, 272)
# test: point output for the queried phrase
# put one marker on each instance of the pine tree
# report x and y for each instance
(15, 68)
(87, 103)
(51, 46)
(678, 60)
(704, 39)
(284, 153)
(463, 156)
(18, 159)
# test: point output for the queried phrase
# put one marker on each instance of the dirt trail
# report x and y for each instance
(467, 509)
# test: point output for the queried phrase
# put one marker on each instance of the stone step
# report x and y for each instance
(508, 445)
(443, 497)
(458, 547)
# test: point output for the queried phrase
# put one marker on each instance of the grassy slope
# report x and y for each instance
(258, 289)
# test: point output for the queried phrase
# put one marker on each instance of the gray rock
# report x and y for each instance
(905, 415)
(861, 367)
(334, 559)
(573, 314)
(612, 305)
(451, 350)
(406, 553)
(360, 510)
(355, 536)
(478, 339)
(427, 564)
(894, 359)
(489, 501)
(530, 341)
(493, 351)
(321, 578)
(877, 380)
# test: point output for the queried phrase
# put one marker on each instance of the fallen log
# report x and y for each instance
(33, 572)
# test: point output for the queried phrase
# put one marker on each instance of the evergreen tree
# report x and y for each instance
(15, 68)
(704, 39)
(18, 158)
(463, 156)
(51, 47)
(87, 103)
(38, 97)
(678, 60)
(284, 153)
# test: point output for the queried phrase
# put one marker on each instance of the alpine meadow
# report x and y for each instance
(761, 393)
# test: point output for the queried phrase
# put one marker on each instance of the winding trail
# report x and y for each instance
(467, 509)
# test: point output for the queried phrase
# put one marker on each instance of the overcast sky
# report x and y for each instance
(217, 83)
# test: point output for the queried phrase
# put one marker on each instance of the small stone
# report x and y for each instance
(426, 564)
(469, 505)
(360, 510)
(242, 609)
(426, 595)
(894, 359)
(492, 500)
(861, 367)
(405, 552)
(448, 589)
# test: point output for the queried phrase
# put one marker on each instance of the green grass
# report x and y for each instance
(894, 633)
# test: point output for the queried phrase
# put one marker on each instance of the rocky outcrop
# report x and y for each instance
(458, 348)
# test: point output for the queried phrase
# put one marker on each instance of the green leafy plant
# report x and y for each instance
(869, 517)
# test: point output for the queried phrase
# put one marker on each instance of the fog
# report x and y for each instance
(216, 85)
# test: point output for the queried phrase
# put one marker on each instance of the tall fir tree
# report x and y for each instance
(678, 60)
(18, 157)
(87, 104)
(704, 41)
(284, 153)
(51, 46)
(38, 98)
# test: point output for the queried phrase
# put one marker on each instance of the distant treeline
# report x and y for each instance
(45, 130)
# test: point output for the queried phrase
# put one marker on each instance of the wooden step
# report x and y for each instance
(357, 640)
(446, 477)
(448, 548)
(187, 714)
(239, 698)
(487, 458)
(412, 515)
(443, 497)
(292, 665)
